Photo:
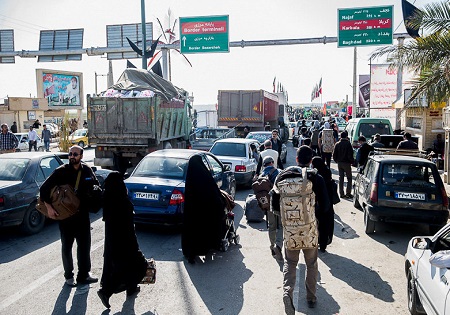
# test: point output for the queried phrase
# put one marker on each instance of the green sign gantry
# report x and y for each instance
(204, 34)
(365, 26)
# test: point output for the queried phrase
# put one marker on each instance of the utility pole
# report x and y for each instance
(398, 111)
(144, 36)
(355, 106)
(98, 75)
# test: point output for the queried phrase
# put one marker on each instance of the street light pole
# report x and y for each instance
(144, 36)
(98, 75)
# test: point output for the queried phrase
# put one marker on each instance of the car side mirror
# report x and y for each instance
(227, 167)
(421, 243)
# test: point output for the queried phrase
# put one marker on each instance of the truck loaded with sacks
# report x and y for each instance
(139, 114)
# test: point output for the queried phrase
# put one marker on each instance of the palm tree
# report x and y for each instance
(427, 56)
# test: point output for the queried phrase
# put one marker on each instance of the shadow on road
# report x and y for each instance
(358, 276)
(342, 229)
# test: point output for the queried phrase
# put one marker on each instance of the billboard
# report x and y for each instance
(62, 89)
(383, 86)
(364, 90)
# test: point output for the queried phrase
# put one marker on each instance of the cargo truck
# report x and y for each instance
(256, 109)
(141, 113)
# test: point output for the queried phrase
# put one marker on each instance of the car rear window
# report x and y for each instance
(409, 175)
(164, 167)
(369, 129)
(229, 149)
(260, 137)
(13, 169)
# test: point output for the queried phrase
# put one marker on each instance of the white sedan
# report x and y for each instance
(427, 267)
(23, 142)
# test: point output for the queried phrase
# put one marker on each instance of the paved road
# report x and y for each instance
(359, 274)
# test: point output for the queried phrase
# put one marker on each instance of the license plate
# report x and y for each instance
(149, 196)
(409, 195)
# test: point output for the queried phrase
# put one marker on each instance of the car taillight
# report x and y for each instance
(2, 201)
(374, 193)
(176, 198)
(444, 197)
(240, 168)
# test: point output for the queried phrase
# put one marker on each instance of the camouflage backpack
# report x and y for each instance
(297, 201)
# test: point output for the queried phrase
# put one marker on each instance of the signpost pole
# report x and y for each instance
(355, 106)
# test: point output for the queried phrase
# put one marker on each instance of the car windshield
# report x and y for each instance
(369, 129)
(409, 175)
(229, 149)
(161, 166)
(13, 169)
(260, 137)
(80, 132)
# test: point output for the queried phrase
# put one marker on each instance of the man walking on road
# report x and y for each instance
(46, 136)
(298, 193)
(32, 139)
(78, 226)
(268, 151)
(343, 156)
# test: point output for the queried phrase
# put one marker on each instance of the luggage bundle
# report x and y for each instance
(252, 211)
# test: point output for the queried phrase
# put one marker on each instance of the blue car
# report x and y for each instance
(156, 186)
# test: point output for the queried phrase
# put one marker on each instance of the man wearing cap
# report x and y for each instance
(274, 226)
(266, 152)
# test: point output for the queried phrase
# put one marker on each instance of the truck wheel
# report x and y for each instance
(33, 221)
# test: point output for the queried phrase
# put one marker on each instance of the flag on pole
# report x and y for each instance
(408, 12)
(320, 86)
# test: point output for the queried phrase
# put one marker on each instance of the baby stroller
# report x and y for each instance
(228, 229)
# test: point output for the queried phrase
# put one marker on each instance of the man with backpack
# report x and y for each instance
(299, 193)
(262, 187)
(315, 131)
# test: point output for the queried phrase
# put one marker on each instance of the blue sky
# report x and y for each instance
(297, 67)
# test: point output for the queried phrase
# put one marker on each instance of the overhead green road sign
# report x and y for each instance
(204, 34)
(365, 26)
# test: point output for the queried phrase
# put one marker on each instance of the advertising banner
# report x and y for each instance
(62, 89)
(383, 86)
(364, 90)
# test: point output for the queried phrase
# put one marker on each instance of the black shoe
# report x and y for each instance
(288, 305)
(71, 282)
(311, 304)
(323, 249)
(134, 290)
(104, 298)
(87, 280)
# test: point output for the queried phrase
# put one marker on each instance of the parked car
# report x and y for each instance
(23, 142)
(367, 127)
(204, 138)
(237, 154)
(398, 188)
(262, 136)
(80, 137)
(340, 122)
(21, 175)
(156, 186)
(427, 268)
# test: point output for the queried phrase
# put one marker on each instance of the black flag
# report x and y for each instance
(408, 11)
(130, 65)
(157, 69)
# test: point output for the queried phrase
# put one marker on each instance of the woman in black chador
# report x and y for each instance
(124, 265)
(326, 217)
(204, 211)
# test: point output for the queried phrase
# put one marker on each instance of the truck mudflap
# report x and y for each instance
(104, 162)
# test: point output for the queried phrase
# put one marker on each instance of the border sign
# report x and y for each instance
(365, 26)
(204, 34)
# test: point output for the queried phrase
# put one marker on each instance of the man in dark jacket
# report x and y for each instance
(277, 145)
(407, 143)
(78, 226)
(343, 156)
(363, 151)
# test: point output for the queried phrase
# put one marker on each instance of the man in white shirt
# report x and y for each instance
(32, 139)
(72, 95)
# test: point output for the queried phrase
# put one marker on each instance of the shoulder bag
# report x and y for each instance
(64, 200)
